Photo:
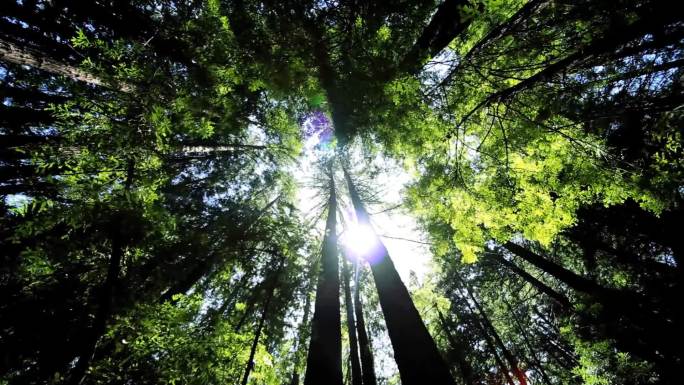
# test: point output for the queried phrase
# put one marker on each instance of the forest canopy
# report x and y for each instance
(341, 192)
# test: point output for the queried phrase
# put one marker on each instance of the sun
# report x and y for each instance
(359, 240)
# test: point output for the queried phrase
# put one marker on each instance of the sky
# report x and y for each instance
(401, 235)
(399, 231)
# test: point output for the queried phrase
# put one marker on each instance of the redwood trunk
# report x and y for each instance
(324, 360)
(367, 364)
(415, 352)
(260, 326)
(13, 53)
(351, 329)
(539, 285)
(457, 351)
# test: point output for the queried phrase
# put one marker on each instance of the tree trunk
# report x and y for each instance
(302, 332)
(533, 355)
(490, 344)
(562, 274)
(539, 285)
(13, 53)
(457, 351)
(324, 360)
(195, 270)
(260, 326)
(415, 352)
(351, 329)
(105, 297)
(446, 24)
(508, 355)
(367, 364)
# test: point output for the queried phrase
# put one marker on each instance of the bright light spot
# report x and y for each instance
(359, 240)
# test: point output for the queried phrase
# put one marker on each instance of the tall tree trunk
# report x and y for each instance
(508, 355)
(652, 326)
(106, 294)
(13, 53)
(302, 330)
(491, 345)
(264, 313)
(367, 364)
(195, 270)
(446, 24)
(214, 315)
(457, 351)
(415, 352)
(539, 285)
(562, 274)
(324, 360)
(351, 328)
(533, 355)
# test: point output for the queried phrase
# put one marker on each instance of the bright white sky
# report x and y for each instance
(408, 256)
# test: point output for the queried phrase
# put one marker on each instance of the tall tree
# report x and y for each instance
(351, 326)
(415, 351)
(367, 364)
(324, 360)
(275, 275)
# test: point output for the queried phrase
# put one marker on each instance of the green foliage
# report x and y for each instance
(145, 205)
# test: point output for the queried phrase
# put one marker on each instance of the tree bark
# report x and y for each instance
(458, 352)
(351, 328)
(637, 326)
(324, 360)
(508, 355)
(415, 352)
(611, 45)
(13, 53)
(564, 275)
(367, 364)
(446, 24)
(304, 326)
(539, 285)
(260, 326)
(490, 344)
(106, 295)
(533, 355)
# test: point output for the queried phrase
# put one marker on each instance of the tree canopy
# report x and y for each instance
(199, 192)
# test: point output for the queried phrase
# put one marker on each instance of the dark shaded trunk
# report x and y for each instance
(351, 328)
(251, 302)
(457, 351)
(530, 347)
(214, 315)
(367, 364)
(264, 313)
(106, 295)
(539, 285)
(15, 54)
(16, 119)
(508, 355)
(502, 29)
(8, 140)
(196, 270)
(562, 274)
(303, 328)
(491, 345)
(415, 352)
(638, 327)
(324, 360)
(487, 323)
(446, 24)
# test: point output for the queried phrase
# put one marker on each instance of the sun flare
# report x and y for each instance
(359, 240)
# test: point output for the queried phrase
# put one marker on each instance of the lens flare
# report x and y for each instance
(360, 241)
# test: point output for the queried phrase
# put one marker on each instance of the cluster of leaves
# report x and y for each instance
(172, 159)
